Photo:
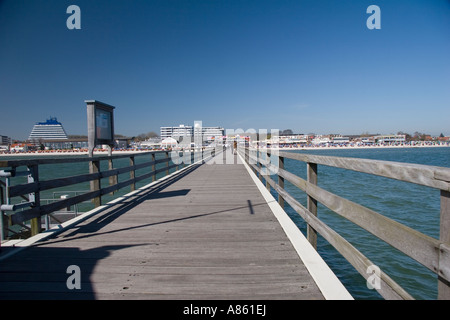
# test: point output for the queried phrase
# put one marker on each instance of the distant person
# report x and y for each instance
(235, 147)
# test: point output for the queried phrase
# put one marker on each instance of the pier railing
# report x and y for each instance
(21, 203)
(428, 251)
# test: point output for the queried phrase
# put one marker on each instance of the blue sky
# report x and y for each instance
(309, 66)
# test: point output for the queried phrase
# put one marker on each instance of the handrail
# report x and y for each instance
(430, 176)
(72, 159)
(31, 190)
(430, 252)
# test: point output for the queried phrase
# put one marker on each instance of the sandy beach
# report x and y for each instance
(130, 151)
(376, 146)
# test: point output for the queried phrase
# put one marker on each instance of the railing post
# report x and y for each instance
(280, 180)
(94, 167)
(5, 200)
(167, 163)
(112, 179)
(132, 173)
(312, 203)
(3, 221)
(33, 176)
(153, 167)
(267, 170)
(260, 171)
(444, 285)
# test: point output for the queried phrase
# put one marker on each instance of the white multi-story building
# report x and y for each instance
(209, 134)
(174, 132)
(391, 138)
(340, 140)
(319, 139)
(49, 130)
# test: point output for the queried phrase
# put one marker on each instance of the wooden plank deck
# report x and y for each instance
(205, 234)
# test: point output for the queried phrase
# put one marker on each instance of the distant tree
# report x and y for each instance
(420, 136)
(407, 135)
(416, 135)
(441, 135)
(287, 132)
(141, 137)
(145, 136)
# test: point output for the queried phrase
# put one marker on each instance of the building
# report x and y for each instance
(321, 140)
(151, 143)
(49, 130)
(180, 131)
(79, 143)
(21, 147)
(212, 133)
(5, 140)
(169, 143)
(392, 138)
(59, 144)
(186, 133)
(340, 140)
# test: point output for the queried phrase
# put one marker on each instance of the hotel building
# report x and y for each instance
(49, 130)
(209, 134)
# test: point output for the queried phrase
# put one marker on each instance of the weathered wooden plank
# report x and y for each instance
(105, 271)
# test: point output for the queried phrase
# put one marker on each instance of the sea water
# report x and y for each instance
(413, 205)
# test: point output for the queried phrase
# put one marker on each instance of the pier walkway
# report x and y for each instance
(209, 231)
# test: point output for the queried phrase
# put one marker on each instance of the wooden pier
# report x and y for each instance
(203, 230)
(208, 231)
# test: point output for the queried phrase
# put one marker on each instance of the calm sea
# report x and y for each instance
(53, 171)
(415, 206)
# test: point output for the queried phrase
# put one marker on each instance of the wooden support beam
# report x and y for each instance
(280, 181)
(444, 259)
(33, 177)
(153, 167)
(312, 203)
(132, 173)
(94, 167)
